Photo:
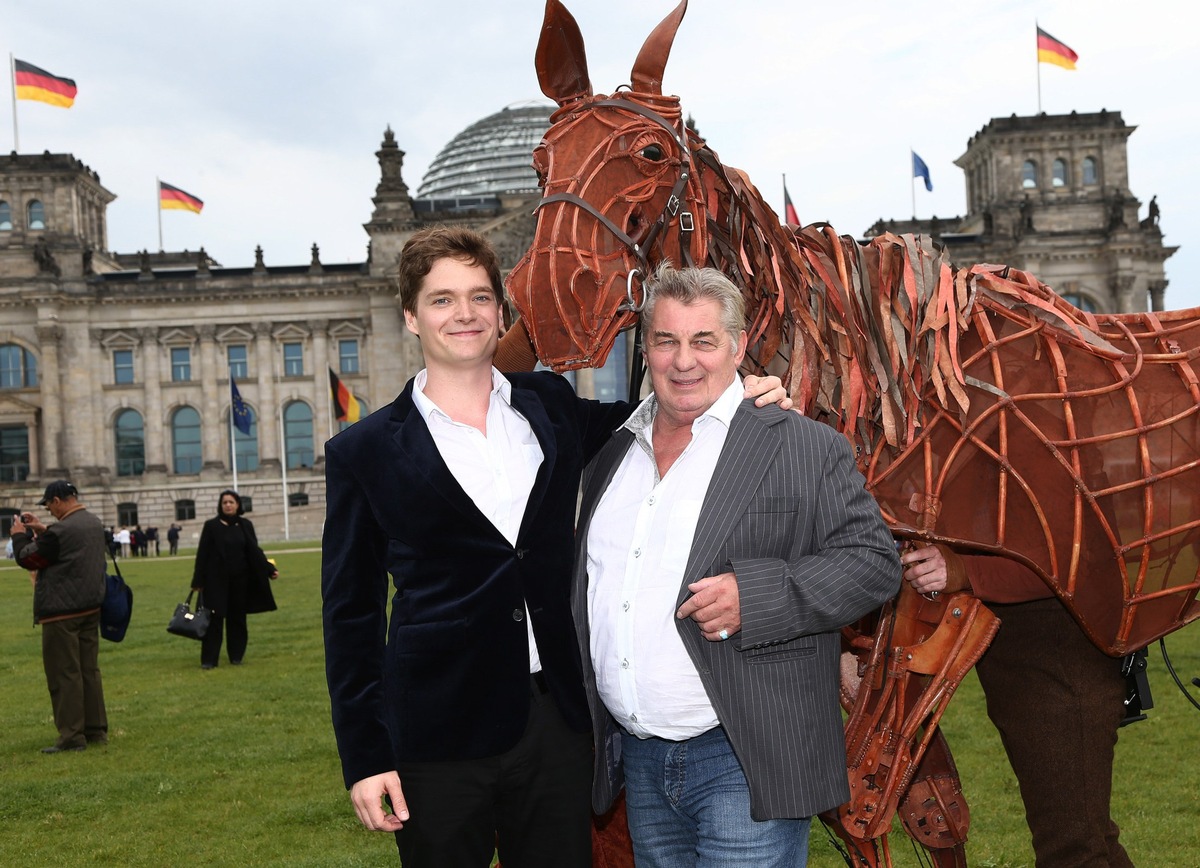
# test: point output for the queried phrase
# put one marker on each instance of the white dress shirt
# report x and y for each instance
(638, 546)
(497, 470)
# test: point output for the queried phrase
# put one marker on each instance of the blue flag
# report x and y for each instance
(241, 413)
(920, 170)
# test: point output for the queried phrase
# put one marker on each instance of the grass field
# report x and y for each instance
(238, 766)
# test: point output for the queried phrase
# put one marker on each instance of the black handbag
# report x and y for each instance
(187, 623)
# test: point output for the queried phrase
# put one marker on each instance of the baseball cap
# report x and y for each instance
(58, 488)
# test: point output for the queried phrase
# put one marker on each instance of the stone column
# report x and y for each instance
(322, 418)
(98, 436)
(212, 422)
(54, 451)
(156, 452)
(268, 411)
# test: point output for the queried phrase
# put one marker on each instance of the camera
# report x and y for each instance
(28, 517)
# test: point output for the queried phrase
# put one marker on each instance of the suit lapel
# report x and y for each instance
(739, 470)
(604, 467)
(529, 405)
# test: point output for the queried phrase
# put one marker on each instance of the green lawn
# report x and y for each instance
(238, 766)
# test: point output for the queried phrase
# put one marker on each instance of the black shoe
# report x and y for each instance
(208, 665)
(56, 749)
(235, 662)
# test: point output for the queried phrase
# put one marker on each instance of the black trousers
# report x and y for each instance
(235, 620)
(532, 803)
(1057, 701)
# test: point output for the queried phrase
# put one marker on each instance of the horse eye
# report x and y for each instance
(652, 152)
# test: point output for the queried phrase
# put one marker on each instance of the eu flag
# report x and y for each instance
(920, 170)
(241, 413)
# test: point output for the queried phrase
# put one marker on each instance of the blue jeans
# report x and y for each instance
(689, 805)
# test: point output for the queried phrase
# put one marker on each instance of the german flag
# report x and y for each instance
(35, 83)
(173, 198)
(1050, 50)
(345, 405)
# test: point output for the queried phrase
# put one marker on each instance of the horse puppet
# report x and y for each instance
(986, 412)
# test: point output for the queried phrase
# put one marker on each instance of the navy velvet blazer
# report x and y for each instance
(448, 677)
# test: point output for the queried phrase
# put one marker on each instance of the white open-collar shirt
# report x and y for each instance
(638, 545)
(496, 471)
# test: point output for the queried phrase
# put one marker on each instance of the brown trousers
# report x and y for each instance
(1057, 701)
(71, 658)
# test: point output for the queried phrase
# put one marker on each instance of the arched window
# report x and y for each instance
(1089, 171)
(1059, 178)
(18, 367)
(1029, 177)
(245, 446)
(130, 442)
(36, 214)
(185, 440)
(298, 434)
(5, 217)
(363, 412)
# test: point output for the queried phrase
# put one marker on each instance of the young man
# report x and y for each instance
(721, 547)
(466, 712)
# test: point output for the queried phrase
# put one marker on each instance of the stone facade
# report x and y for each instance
(1050, 195)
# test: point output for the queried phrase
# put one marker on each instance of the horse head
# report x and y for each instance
(621, 192)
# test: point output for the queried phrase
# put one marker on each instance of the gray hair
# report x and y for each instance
(693, 285)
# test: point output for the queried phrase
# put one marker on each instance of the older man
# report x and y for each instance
(721, 547)
(69, 559)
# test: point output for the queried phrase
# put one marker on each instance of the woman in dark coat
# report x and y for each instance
(233, 574)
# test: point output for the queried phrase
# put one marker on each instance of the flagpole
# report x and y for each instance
(12, 79)
(912, 181)
(232, 447)
(283, 469)
(158, 207)
(1038, 60)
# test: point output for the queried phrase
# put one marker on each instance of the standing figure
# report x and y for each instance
(69, 587)
(721, 547)
(123, 540)
(173, 538)
(152, 539)
(233, 574)
(1056, 699)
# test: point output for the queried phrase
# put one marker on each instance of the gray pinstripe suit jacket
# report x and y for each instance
(787, 511)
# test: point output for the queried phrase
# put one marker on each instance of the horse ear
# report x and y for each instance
(648, 69)
(561, 60)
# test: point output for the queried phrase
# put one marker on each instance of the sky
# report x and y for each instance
(271, 111)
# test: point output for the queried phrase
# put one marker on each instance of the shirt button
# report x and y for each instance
(625, 664)
(637, 553)
(650, 500)
(633, 718)
(625, 606)
(518, 614)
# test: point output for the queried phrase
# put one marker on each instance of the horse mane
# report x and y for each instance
(860, 331)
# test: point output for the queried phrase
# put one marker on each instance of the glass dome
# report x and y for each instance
(490, 157)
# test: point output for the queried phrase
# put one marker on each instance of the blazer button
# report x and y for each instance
(518, 614)
(520, 554)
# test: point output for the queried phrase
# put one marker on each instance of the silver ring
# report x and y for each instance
(724, 634)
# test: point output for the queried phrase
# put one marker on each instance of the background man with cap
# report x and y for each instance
(69, 558)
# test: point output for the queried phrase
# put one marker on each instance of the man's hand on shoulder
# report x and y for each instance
(367, 797)
(766, 390)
